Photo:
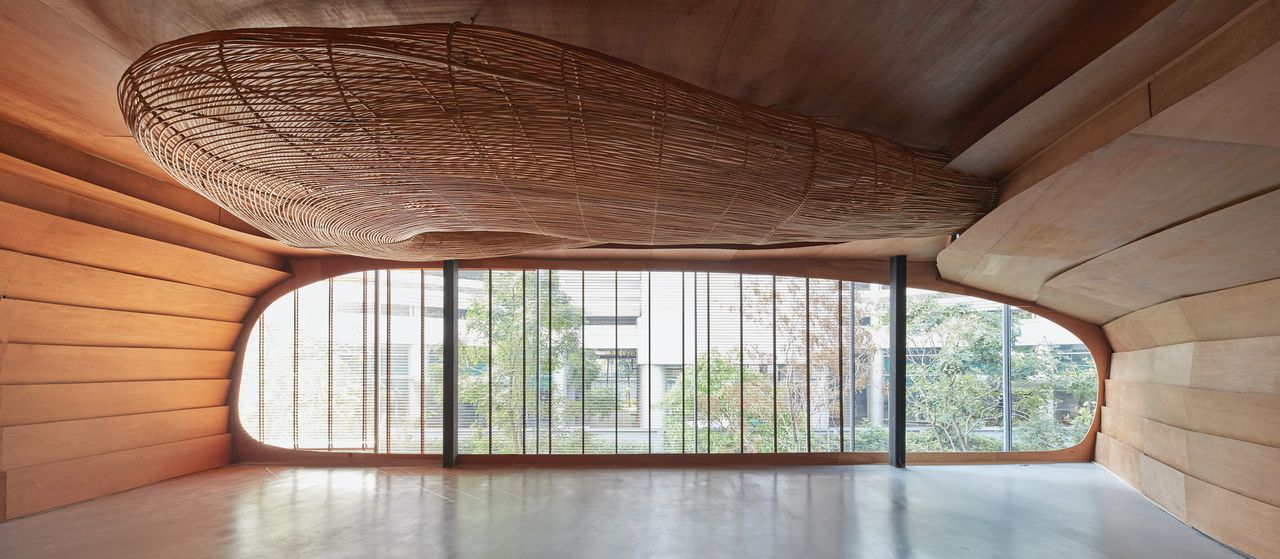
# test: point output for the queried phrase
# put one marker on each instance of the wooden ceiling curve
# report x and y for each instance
(459, 141)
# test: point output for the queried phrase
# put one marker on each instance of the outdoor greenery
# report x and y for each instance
(955, 385)
(535, 381)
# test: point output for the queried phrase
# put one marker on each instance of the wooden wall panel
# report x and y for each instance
(40, 279)
(1164, 485)
(1245, 468)
(1245, 524)
(41, 403)
(41, 234)
(1194, 401)
(46, 323)
(37, 488)
(1247, 311)
(1122, 459)
(1240, 365)
(1242, 416)
(28, 185)
(117, 322)
(53, 364)
(42, 443)
(1248, 525)
(1139, 204)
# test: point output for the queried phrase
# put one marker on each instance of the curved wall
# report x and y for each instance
(1193, 414)
(116, 331)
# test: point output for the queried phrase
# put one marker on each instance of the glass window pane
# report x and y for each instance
(954, 373)
(1055, 384)
(571, 362)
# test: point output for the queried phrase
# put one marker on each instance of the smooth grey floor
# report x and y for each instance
(1042, 511)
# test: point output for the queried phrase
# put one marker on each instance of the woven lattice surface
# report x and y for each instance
(457, 141)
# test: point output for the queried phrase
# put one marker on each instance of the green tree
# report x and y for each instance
(512, 314)
(955, 384)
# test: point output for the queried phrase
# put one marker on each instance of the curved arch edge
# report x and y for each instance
(923, 275)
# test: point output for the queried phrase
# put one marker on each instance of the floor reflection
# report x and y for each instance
(828, 511)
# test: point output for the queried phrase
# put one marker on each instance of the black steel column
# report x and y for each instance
(898, 361)
(450, 342)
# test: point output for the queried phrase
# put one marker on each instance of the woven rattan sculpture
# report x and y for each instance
(459, 141)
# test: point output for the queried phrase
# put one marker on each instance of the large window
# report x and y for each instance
(964, 355)
(603, 362)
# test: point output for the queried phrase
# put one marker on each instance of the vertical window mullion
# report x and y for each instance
(709, 385)
(262, 376)
(537, 362)
(696, 417)
(364, 360)
(742, 373)
(551, 278)
(582, 346)
(774, 320)
(489, 365)
(840, 358)
(329, 368)
(617, 364)
(296, 296)
(377, 354)
(1006, 367)
(808, 376)
(386, 422)
(524, 370)
(422, 361)
(853, 365)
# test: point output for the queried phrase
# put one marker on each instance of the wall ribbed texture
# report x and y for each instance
(1193, 412)
(115, 342)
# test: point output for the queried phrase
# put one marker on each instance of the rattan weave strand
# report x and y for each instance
(460, 141)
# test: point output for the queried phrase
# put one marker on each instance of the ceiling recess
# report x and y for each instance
(458, 141)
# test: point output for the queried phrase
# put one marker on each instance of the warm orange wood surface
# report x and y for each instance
(1137, 143)
(37, 488)
(60, 238)
(116, 325)
(1118, 215)
(1193, 411)
(54, 364)
(43, 443)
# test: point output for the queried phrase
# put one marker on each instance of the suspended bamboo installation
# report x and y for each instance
(461, 141)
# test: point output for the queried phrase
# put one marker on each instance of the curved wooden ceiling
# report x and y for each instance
(1181, 198)
(1054, 98)
(912, 72)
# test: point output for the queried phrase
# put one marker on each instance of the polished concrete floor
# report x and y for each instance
(1042, 511)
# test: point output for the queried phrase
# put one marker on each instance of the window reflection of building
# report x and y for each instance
(818, 358)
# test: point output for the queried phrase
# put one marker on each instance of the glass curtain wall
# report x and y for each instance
(604, 362)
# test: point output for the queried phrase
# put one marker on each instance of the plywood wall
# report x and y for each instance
(1192, 417)
(116, 331)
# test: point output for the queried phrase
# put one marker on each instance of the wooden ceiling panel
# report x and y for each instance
(1131, 188)
(909, 71)
(1153, 181)
(1240, 108)
(917, 72)
(1122, 45)
(1230, 247)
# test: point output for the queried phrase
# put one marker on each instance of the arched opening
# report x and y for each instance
(654, 362)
